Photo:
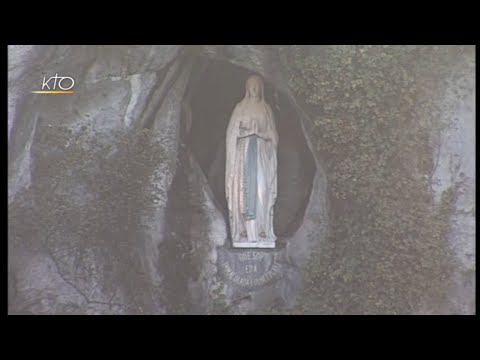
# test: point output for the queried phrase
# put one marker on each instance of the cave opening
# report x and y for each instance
(215, 89)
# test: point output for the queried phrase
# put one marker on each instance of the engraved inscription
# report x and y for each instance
(249, 268)
(251, 255)
(240, 280)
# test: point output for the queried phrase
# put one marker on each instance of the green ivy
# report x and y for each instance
(387, 251)
(86, 206)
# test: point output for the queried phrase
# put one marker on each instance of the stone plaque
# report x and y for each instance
(249, 268)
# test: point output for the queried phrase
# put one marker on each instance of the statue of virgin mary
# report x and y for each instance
(251, 169)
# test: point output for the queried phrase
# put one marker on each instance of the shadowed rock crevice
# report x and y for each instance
(220, 87)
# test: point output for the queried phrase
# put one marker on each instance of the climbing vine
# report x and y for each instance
(95, 193)
(375, 109)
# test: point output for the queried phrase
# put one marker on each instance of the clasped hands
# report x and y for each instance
(245, 133)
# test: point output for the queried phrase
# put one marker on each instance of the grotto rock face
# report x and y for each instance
(181, 252)
(182, 249)
(115, 87)
(112, 85)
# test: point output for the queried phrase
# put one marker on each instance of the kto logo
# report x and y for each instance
(57, 85)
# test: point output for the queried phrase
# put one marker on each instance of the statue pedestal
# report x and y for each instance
(254, 245)
(250, 268)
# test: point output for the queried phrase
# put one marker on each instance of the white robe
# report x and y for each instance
(258, 232)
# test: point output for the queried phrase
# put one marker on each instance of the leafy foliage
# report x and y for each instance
(85, 212)
(374, 117)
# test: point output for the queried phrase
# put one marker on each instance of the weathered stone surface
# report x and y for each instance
(112, 84)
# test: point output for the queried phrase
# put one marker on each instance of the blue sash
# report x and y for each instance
(250, 179)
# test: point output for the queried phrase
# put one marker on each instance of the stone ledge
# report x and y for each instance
(254, 245)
